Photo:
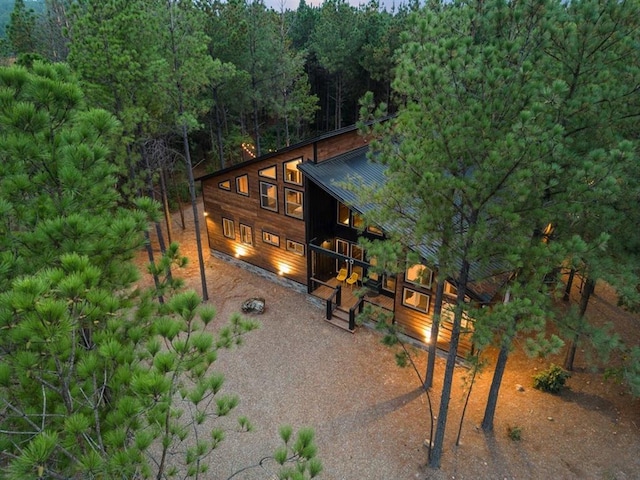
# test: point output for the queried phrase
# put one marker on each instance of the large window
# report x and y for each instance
(389, 283)
(269, 196)
(269, 172)
(242, 185)
(420, 275)
(293, 204)
(343, 214)
(246, 234)
(291, 172)
(228, 229)
(450, 290)
(416, 300)
(271, 238)
(357, 221)
(448, 316)
(295, 247)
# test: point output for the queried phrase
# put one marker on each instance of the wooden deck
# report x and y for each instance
(349, 297)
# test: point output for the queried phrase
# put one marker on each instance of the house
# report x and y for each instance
(288, 213)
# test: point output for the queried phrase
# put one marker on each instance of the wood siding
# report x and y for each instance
(417, 324)
(246, 210)
(335, 146)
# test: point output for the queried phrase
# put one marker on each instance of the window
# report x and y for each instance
(228, 229)
(226, 185)
(242, 185)
(293, 206)
(291, 172)
(343, 214)
(389, 283)
(420, 275)
(295, 247)
(448, 316)
(342, 247)
(269, 196)
(246, 235)
(269, 172)
(416, 300)
(271, 239)
(357, 221)
(450, 290)
(374, 230)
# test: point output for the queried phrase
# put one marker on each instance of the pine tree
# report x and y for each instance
(21, 29)
(90, 368)
(464, 152)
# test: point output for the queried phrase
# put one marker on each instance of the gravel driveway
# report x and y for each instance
(369, 416)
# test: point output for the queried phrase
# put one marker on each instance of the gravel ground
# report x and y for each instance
(371, 418)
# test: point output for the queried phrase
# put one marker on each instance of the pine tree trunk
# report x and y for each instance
(187, 156)
(588, 289)
(433, 335)
(438, 441)
(496, 381)
(219, 129)
(196, 216)
(567, 290)
(165, 205)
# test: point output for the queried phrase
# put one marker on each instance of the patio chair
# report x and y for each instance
(342, 275)
(352, 280)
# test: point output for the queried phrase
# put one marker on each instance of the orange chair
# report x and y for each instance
(352, 280)
(342, 275)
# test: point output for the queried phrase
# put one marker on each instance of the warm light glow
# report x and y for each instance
(206, 214)
(249, 149)
(284, 269)
(426, 334)
(240, 252)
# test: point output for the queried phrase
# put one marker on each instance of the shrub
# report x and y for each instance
(551, 380)
(515, 433)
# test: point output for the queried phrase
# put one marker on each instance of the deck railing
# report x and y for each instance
(333, 300)
(352, 313)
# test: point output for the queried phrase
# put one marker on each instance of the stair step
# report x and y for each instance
(340, 322)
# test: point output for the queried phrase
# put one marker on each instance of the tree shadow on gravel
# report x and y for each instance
(374, 412)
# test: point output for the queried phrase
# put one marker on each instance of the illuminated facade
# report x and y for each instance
(288, 213)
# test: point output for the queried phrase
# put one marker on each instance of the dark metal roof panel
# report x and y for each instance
(352, 168)
(335, 175)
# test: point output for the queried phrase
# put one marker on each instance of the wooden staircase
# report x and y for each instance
(340, 319)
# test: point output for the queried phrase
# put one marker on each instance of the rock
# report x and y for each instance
(519, 388)
(254, 305)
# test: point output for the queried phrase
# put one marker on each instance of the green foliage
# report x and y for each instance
(551, 380)
(302, 453)
(514, 433)
(96, 378)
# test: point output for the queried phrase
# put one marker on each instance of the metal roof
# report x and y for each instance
(335, 175)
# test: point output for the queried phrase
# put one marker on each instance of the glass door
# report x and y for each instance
(342, 247)
(356, 254)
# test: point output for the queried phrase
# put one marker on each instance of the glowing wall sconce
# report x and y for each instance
(284, 269)
(240, 252)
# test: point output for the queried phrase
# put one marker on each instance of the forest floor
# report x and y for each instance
(371, 418)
